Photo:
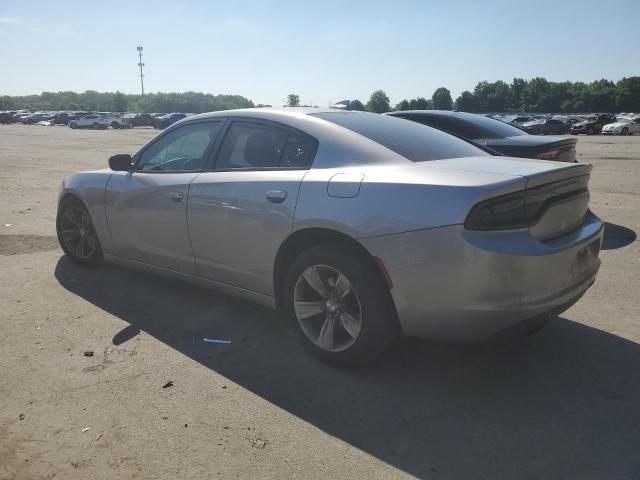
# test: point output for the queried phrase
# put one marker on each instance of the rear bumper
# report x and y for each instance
(453, 284)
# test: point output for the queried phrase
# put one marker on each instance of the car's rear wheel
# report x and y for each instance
(341, 305)
(73, 125)
(115, 125)
(76, 233)
(590, 131)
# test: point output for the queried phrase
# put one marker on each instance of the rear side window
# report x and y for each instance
(249, 145)
(412, 140)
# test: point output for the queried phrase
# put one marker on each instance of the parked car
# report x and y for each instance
(6, 117)
(20, 116)
(623, 126)
(142, 120)
(545, 127)
(117, 120)
(37, 117)
(94, 120)
(519, 121)
(357, 226)
(164, 121)
(592, 124)
(500, 137)
(62, 118)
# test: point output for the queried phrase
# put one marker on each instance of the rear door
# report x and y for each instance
(147, 207)
(242, 209)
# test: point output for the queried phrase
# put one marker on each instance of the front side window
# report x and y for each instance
(182, 149)
(250, 145)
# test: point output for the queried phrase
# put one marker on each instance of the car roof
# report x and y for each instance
(267, 113)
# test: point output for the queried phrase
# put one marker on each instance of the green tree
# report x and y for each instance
(442, 99)
(378, 102)
(403, 105)
(420, 103)
(119, 102)
(293, 100)
(466, 102)
(356, 105)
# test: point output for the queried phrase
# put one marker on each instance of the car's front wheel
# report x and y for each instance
(115, 125)
(73, 125)
(76, 233)
(625, 131)
(341, 305)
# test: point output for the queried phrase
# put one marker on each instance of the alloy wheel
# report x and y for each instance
(77, 233)
(327, 308)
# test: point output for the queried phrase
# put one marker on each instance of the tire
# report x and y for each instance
(625, 131)
(115, 125)
(76, 233)
(73, 125)
(360, 325)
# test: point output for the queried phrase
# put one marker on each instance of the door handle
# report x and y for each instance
(276, 196)
(176, 196)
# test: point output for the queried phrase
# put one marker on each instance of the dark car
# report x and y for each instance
(593, 124)
(164, 121)
(142, 120)
(500, 137)
(546, 126)
(62, 118)
(6, 117)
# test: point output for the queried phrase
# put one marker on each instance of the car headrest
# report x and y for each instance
(261, 150)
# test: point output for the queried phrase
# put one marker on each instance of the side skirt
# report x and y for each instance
(225, 288)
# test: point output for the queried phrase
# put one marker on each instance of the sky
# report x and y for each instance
(324, 51)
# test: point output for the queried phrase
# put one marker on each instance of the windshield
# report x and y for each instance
(413, 141)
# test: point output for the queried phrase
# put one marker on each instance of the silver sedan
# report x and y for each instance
(358, 227)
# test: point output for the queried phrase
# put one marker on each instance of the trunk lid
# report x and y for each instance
(560, 190)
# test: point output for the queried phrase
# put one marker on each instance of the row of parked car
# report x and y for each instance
(603, 123)
(95, 120)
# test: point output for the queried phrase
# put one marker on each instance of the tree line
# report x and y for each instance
(192, 102)
(535, 95)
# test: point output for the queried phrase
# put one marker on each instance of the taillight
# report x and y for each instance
(506, 212)
(525, 208)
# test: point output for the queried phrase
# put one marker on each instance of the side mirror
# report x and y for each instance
(120, 163)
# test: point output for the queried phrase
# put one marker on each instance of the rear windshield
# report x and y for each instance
(413, 141)
(468, 125)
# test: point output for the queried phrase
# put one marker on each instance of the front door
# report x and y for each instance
(240, 212)
(147, 207)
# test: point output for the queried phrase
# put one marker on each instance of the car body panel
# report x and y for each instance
(147, 216)
(452, 284)
(236, 230)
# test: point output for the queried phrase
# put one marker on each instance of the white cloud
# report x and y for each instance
(9, 20)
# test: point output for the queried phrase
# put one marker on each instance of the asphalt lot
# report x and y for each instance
(562, 404)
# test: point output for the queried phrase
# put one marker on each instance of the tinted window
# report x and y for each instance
(411, 140)
(180, 149)
(298, 151)
(468, 125)
(257, 145)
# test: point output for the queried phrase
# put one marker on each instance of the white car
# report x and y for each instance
(91, 121)
(622, 126)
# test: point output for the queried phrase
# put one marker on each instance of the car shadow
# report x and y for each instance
(560, 404)
(617, 236)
